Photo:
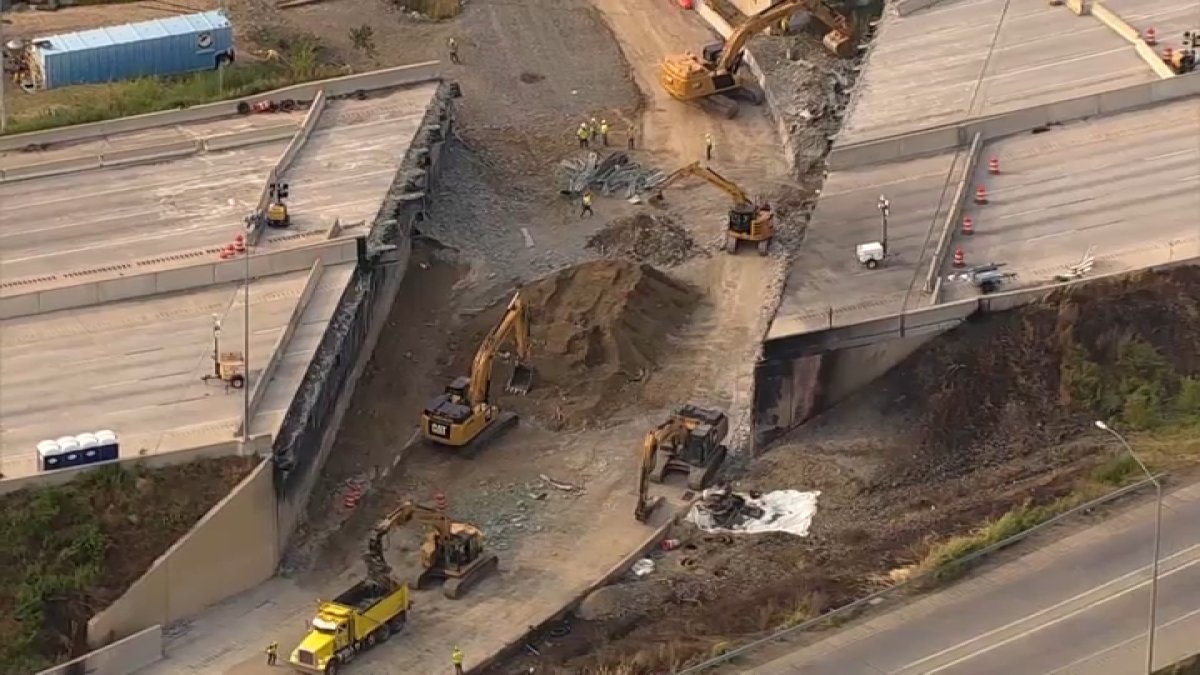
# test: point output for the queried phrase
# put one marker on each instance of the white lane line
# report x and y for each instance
(1137, 638)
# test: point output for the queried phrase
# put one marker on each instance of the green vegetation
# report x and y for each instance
(300, 62)
(52, 551)
(1141, 388)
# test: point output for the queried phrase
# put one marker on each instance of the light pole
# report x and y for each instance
(885, 209)
(1157, 542)
(246, 344)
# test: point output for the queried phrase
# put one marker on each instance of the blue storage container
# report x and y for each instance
(170, 46)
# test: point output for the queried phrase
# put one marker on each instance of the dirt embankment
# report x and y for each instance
(597, 331)
(992, 416)
(67, 552)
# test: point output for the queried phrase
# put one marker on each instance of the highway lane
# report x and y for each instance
(1078, 605)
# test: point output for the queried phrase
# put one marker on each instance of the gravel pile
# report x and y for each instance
(654, 239)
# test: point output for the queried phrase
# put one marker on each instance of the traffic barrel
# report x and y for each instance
(439, 501)
(1168, 55)
(1151, 38)
(981, 195)
(959, 259)
(968, 226)
(994, 166)
(239, 243)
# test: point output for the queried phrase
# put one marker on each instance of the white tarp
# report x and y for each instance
(783, 511)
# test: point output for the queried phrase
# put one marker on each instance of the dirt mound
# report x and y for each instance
(1012, 384)
(598, 330)
(654, 239)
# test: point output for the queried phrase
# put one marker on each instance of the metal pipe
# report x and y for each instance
(1151, 629)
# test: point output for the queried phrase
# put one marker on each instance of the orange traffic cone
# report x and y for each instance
(439, 501)
(968, 226)
(1150, 37)
(981, 195)
(239, 243)
(959, 259)
(994, 166)
(1168, 55)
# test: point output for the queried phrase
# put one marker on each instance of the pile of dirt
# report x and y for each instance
(69, 551)
(654, 239)
(598, 330)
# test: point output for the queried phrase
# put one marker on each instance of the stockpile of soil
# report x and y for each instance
(69, 551)
(654, 239)
(598, 330)
(1013, 384)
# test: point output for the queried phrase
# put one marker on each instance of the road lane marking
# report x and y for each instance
(1141, 636)
(1023, 634)
(1051, 608)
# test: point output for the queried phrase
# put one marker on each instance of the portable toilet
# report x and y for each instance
(69, 453)
(48, 454)
(108, 445)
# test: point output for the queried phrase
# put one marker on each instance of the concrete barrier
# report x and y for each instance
(240, 139)
(278, 351)
(150, 153)
(1077, 7)
(287, 157)
(949, 136)
(378, 79)
(231, 549)
(179, 279)
(933, 280)
(64, 476)
(1115, 23)
(51, 168)
(1152, 59)
(122, 657)
(906, 7)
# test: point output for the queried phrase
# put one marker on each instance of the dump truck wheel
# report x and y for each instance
(383, 633)
(333, 667)
(397, 624)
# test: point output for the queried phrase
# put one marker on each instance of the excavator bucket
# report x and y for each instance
(521, 380)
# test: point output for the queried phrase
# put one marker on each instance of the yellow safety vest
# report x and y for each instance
(456, 657)
(587, 200)
(582, 132)
(604, 128)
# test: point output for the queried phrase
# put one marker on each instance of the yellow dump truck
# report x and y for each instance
(358, 619)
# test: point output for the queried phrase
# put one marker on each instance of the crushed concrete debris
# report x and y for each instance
(616, 174)
(723, 510)
(643, 567)
(655, 239)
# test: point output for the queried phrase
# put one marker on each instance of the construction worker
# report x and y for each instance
(456, 657)
(604, 132)
(583, 134)
(593, 128)
(452, 45)
(272, 653)
(708, 147)
(585, 206)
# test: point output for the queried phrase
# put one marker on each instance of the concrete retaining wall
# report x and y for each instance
(231, 549)
(950, 136)
(122, 657)
(933, 280)
(278, 351)
(63, 476)
(377, 79)
(178, 279)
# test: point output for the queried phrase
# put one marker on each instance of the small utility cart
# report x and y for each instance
(870, 255)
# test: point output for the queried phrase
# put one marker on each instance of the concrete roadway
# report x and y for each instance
(1168, 18)
(1083, 185)
(966, 58)
(826, 274)
(1079, 606)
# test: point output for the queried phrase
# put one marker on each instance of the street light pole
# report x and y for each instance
(1157, 543)
(246, 345)
(885, 209)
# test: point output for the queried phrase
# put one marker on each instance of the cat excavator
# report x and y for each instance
(450, 552)
(690, 442)
(463, 413)
(748, 221)
(645, 505)
(711, 78)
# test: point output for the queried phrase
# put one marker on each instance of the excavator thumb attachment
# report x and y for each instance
(521, 380)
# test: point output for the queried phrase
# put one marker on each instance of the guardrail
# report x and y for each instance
(845, 611)
(178, 279)
(337, 86)
(949, 136)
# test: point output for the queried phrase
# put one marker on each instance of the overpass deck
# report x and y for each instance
(966, 58)
(1128, 185)
(135, 366)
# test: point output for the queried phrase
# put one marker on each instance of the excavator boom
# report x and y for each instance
(706, 174)
(515, 321)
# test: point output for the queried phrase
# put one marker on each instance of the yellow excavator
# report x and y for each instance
(450, 552)
(712, 78)
(748, 221)
(645, 505)
(463, 413)
(691, 442)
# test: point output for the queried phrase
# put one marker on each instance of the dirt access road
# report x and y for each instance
(498, 180)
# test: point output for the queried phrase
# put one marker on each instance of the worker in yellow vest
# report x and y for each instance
(456, 657)
(583, 133)
(604, 132)
(585, 210)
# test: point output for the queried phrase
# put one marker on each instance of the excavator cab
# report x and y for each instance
(691, 443)
(453, 553)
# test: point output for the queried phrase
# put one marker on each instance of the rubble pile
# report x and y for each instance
(616, 174)
(654, 239)
(723, 508)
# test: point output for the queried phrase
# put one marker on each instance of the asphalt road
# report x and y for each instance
(1079, 605)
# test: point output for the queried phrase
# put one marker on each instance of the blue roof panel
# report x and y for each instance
(185, 24)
